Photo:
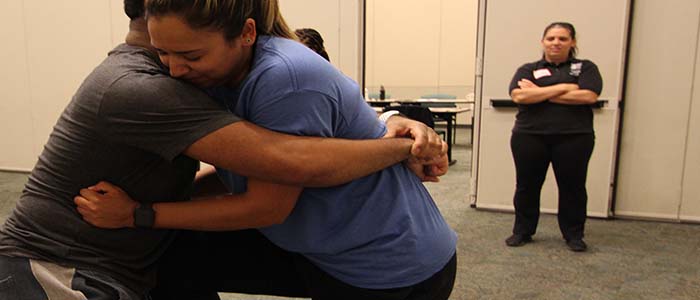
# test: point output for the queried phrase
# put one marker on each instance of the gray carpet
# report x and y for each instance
(626, 259)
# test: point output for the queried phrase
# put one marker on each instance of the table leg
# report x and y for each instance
(449, 138)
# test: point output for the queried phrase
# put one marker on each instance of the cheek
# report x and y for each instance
(206, 67)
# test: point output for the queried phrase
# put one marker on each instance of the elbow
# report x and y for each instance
(277, 219)
(591, 99)
(273, 216)
(517, 96)
(518, 99)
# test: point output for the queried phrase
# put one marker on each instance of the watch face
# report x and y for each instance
(144, 216)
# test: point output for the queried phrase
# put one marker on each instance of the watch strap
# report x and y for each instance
(144, 215)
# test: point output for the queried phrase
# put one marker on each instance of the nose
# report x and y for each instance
(178, 67)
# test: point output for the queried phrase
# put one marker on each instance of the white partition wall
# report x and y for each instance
(418, 47)
(51, 46)
(690, 197)
(119, 21)
(513, 30)
(15, 106)
(659, 173)
(339, 23)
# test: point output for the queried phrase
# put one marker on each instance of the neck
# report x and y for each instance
(556, 60)
(138, 35)
(238, 76)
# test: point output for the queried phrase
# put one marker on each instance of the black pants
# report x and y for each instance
(569, 155)
(199, 264)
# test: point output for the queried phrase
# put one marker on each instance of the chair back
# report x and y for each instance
(416, 112)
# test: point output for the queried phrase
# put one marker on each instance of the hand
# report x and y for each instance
(106, 206)
(427, 143)
(526, 84)
(429, 172)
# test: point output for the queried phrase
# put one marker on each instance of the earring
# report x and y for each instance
(248, 40)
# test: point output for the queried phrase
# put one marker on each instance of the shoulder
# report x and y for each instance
(585, 63)
(285, 59)
(140, 91)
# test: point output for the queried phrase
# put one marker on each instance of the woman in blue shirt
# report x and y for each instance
(378, 237)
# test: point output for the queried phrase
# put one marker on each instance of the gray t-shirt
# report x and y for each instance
(127, 124)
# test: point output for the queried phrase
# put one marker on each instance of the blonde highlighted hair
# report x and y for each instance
(227, 16)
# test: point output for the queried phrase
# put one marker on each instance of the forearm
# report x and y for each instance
(536, 94)
(577, 97)
(263, 204)
(255, 152)
(229, 212)
(339, 161)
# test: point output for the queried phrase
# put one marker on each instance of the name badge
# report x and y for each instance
(541, 73)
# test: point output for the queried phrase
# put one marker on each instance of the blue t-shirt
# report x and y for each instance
(381, 231)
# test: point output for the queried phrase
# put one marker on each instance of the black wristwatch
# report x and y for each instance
(144, 216)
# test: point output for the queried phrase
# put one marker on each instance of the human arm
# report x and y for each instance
(426, 170)
(263, 204)
(590, 85)
(166, 118)
(576, 97)
(253, 151)
(529, 93)
(207, 182)
(424, 137)
(429, 172)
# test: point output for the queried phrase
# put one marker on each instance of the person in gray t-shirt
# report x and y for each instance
(131, 124)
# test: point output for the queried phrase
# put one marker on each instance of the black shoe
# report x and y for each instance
(576, 245)
(517, 240)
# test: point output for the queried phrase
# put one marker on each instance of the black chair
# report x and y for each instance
(419, 113)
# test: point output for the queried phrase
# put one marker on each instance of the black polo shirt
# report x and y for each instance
(553, 118)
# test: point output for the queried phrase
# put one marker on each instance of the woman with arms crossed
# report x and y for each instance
(554, 125)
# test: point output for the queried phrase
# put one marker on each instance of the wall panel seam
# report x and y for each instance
(689, 111)
(28, 93)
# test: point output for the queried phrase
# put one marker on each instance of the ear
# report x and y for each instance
(249, 33)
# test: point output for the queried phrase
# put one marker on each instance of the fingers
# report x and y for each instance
(430, 179)
(421, 142)
(525, 83)
(104, 187)
(83, 203)
(432, 148)
(91, 195)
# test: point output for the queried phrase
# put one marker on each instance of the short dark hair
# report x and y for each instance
(134, 9)
(312, 39)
